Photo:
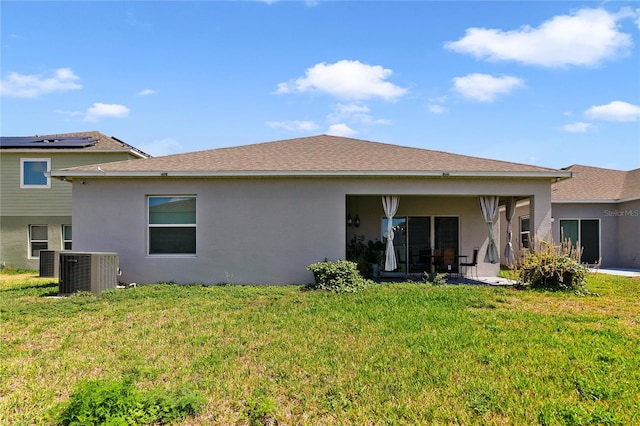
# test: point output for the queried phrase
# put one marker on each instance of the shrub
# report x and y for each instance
(341, 276)
(118, 402)
(553, 267)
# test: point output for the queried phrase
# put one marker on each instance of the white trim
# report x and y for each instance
(528, 232)
(31, 241)
(47, 173)
(62, 239)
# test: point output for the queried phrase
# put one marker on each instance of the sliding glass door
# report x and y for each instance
(585, 233)
(424, 242)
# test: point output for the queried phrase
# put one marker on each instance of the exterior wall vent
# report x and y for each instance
(94, 272)
(49, 263)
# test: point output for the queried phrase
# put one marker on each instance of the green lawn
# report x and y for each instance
(392, 354)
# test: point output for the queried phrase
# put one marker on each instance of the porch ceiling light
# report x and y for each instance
(349, 220)
(357, 221)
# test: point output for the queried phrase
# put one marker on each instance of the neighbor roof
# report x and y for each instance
(69, 142)
(315, 155)
(597, 184)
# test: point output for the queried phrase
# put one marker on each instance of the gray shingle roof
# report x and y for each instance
(316, 154)
(597, 184)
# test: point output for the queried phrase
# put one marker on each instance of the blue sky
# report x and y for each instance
(546, 83)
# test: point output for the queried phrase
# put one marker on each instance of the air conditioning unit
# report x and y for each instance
(94, 272)
(49, 263)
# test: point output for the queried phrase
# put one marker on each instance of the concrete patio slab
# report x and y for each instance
(625, 272)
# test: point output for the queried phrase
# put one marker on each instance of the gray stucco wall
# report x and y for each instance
(265, 231)
(619, 229)
(628, 217)
(608, 226)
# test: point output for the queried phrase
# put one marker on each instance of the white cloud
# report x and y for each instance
(161, 147)
(146, 92)
(33, 86)
(348, 110)
(347, 80)
(70, 113)
(340, 130)
(354, 112)
(484, 87)
(437, 109)
(293, 125)
(584, 38)
(578, 127)
(614, 111)
(100, 110)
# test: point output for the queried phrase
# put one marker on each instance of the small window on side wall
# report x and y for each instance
(524, 232)
(38, 240)
(172, 225)
(33, 173)
(66, 237)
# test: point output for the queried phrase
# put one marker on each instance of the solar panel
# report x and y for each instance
(45, 142)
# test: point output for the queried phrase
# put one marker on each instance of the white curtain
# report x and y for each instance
(390, 206)
(489, 209)
(510, 210)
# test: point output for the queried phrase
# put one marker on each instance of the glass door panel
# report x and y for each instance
(419, 244)
(569, 231)
(446, 244)
(590, 240)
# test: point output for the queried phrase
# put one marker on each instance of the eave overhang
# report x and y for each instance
(54, 150)
(599, 201)
(552, 175)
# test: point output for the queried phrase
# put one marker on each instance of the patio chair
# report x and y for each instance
(472, 264)
(438, 260)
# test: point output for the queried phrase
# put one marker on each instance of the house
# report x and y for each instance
(35, 210)
(600, 210)
(260, 213)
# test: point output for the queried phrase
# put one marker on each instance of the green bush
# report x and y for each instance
(341, 276)
(552, 267)
(118, 402)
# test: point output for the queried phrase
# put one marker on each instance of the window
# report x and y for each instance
(66, 237)
(524, 232)
(172, 225)
(38, 240)
(32, 173)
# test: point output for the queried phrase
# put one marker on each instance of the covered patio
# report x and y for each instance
(459, 235)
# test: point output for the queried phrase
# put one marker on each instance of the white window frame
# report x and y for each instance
(64, 242)
(528, 232)
(34, 160)
(31, 241)
(178, 225)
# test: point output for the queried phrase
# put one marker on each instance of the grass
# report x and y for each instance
(393, 354)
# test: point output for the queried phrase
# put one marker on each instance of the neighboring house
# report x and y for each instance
(259, 214)
(597, 209)
(600, 210)
(35, 210)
